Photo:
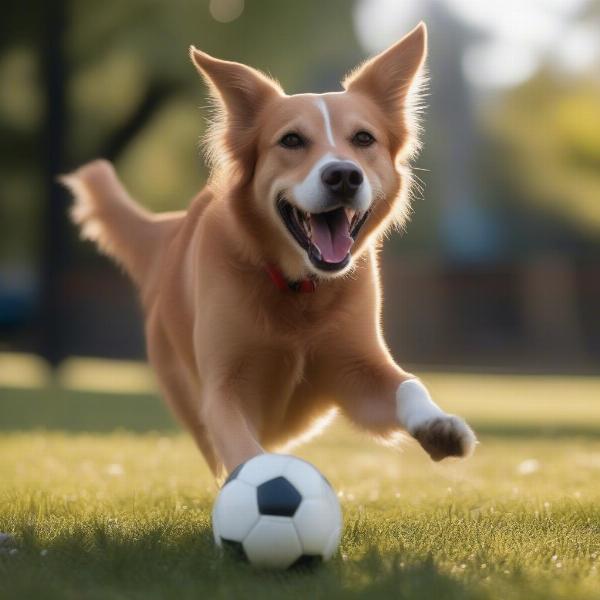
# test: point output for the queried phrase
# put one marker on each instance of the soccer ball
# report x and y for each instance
(277, 511)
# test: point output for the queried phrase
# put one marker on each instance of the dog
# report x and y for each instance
(262, 301)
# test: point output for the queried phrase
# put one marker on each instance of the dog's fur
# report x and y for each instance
(244, 365)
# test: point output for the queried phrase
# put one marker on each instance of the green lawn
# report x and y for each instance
(106, 498)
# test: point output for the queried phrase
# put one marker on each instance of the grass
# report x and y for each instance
(106, 498)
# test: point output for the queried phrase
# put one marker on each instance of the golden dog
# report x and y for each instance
(262, 301)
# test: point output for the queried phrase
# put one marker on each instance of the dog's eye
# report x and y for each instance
(363, 138)
(291, 140)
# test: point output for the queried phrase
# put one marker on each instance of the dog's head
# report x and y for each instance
(323, 173)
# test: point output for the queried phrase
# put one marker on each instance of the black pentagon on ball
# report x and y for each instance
(278, 497)
(233, 474)
(234, 549)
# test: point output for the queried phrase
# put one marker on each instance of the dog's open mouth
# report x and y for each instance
(327, 236)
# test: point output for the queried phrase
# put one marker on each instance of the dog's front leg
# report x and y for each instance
(246, 389)
(439, 433)
(378, 395)
(229, 428)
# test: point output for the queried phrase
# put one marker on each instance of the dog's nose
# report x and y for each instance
(342, 178)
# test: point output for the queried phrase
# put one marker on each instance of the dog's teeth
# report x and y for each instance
(303, 220)
(306, 223)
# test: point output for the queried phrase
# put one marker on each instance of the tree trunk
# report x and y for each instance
(54, 216)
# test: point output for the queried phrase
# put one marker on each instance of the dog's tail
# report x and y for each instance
(120, 227)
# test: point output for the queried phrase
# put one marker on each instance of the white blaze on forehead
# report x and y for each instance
(322, 106)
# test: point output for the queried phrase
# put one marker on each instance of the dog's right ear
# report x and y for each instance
(241, 88)
(241, 91)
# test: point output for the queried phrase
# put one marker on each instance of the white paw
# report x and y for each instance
(445, 436)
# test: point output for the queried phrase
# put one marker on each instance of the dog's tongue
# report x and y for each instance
(331, 234)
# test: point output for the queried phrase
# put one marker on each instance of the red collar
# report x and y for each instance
(304, 286)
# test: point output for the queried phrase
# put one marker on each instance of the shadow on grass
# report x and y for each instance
(530, 431)
(75, 411)
(101, 561)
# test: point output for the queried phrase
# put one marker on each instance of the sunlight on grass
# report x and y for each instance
(23, 370)
(520, 398)
(93, 374)
(106, 376)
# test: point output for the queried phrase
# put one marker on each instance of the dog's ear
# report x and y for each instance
(241, 93)
(241, 88)
(390, 78)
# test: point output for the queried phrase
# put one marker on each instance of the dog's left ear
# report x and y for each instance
(389, 77)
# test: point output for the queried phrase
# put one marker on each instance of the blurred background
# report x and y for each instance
(499, 269)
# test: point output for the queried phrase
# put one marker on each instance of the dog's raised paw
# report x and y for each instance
(446, 436)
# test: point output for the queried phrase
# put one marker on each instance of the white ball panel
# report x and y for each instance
(263, 467)
(215, 526)
(236, 510)
(335, 504)
(332, 543)
(273, 543)
(315, 521)
(305, 478)
(334, 540)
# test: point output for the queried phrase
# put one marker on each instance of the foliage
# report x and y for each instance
(549, 131)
